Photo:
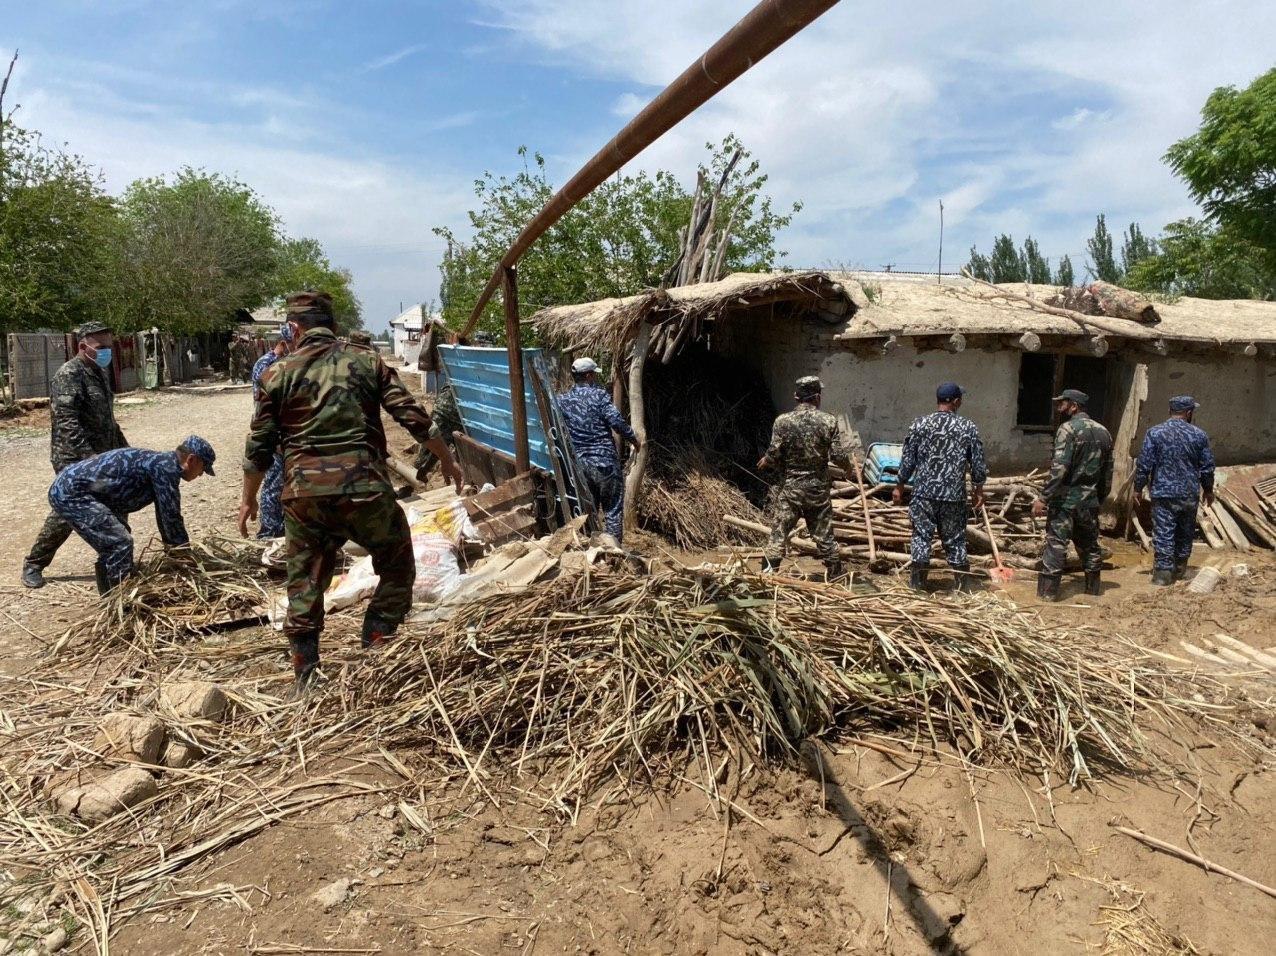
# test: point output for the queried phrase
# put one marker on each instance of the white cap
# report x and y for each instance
(583, 365)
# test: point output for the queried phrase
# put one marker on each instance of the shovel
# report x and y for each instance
(998, 575)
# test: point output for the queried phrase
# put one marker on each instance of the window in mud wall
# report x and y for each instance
(1036, 389)
(1088, 374)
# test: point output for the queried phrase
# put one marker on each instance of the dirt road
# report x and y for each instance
(864, 849)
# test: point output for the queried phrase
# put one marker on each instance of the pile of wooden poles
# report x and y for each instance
(1230, 523)
(868, 524)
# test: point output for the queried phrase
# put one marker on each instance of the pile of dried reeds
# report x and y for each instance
(596, 679)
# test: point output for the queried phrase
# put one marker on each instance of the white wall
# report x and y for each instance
(883, 395)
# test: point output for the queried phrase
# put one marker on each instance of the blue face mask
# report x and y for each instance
(103, 357)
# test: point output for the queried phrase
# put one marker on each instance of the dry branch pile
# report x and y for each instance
(597, 680)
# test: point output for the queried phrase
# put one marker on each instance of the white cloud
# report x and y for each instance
(380, 63)
(1024, 117)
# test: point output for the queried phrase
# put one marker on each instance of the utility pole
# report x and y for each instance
(941, 243)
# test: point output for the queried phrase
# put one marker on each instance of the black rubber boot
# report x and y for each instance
(103, 582)
(305, 660)
(1092, 583)
(962, 581)
(1048, 586)
(1180, 570)
(1162, 577)
(834, 571)
(375, 633)
(917, 575)
(770, 566)
(32, 575)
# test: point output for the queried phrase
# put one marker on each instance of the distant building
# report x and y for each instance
(405, 333)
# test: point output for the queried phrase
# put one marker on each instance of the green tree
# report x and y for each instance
(617, 241)
(1135, 246)
(1036, 266)
(1200, 259)
(302, 264)
(1229, 164)
(58, 234)
(1064, 274)
(1005, 262)
(1102, 261)
(195, 250)
(979, 266)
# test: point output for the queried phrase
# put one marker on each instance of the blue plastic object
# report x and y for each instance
(480, 379)
(881, 467)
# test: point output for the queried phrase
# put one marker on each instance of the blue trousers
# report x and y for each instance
(1173, 528)
(931, 516)
(607, 488)
(106, 532)
(270, 505)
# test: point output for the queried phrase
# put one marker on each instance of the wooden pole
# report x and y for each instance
(514, 347)
(638, 421)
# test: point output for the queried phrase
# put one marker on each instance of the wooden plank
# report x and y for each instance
(507, 496)
(1134, 386)
(476, 460)
(508, 526)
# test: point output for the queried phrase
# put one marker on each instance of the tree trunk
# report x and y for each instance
(638, 421)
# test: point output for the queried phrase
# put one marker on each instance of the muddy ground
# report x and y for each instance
(864, 846)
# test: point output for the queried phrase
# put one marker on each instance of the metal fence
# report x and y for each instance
(32, 359)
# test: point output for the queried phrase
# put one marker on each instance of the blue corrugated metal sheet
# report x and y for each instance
(481, 380)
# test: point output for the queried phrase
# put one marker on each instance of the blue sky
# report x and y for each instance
(365, 124)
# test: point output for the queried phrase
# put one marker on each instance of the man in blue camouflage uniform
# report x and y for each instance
(591, 418)
(940, 448)
(1176, 465)
(270, 504)
(82, 415)
(1080, 478)
(96, 496)
(803, 443)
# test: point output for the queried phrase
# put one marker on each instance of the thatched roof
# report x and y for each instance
(878, 305)
(605, 326)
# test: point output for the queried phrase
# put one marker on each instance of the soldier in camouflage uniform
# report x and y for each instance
(803, 442)
(1176, 465)
(940, 448)
(96, 496)
(82, 414)
(1080, 478)
(360, 337)
(323, 405)
(446, 421)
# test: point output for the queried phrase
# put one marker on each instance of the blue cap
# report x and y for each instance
(285, 332)
(949, 392)
(201, 450)
(1183, 403)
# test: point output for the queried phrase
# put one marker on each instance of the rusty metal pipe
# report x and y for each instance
(764, 28)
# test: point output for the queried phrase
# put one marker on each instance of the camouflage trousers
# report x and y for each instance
(930, 516)
(1078, 525)
(106, 532)
(316, 528)
(607, 487)
(52, 536)
(1173, 530)
(270, 506)
(813, 506)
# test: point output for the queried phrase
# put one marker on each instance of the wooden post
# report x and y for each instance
(514, 347)
(1135, 388)
(638, 421)
(1029, 342)
(955, 343)
(1097, 346)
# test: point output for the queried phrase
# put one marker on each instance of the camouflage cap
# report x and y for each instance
(1072, 395)
(201, 450)
(1184, 403)
(92, 328)
(360, 337)
(300, 303)
(808, 386)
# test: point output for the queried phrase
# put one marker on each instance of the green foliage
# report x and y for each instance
(195, 250)
(1135, 247)
(1229, 164)
(979, 266)
(57, 233)
(1200, 259)
(1102, 261)
(619, 240)
(1064, 276)
(1006, 264)
(1036, 266)
(302, 264)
